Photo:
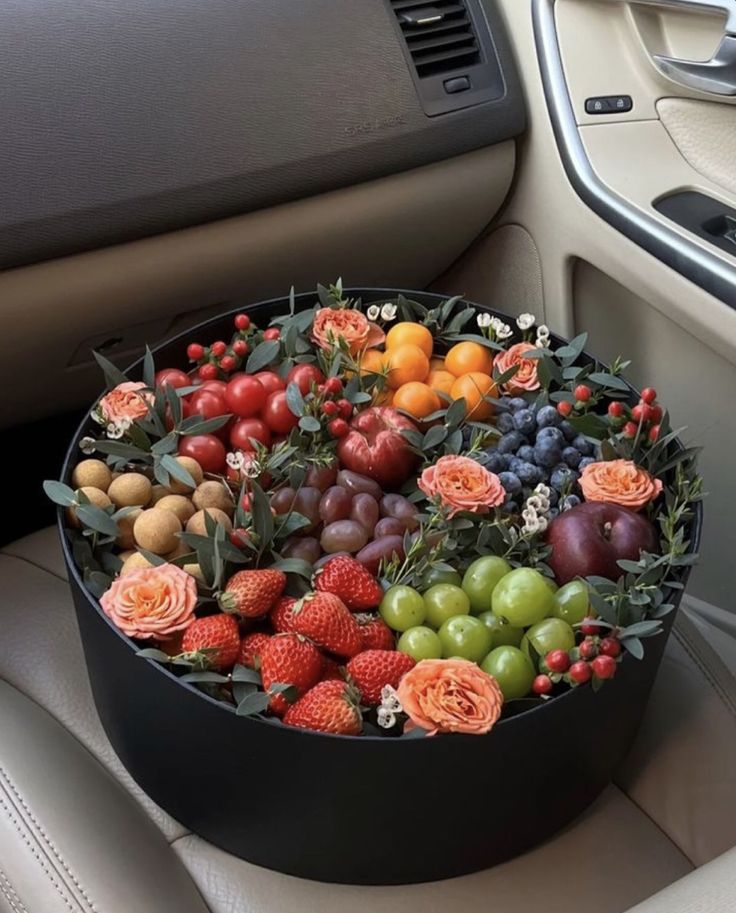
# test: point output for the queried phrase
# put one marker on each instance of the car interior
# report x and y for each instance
(166, 161)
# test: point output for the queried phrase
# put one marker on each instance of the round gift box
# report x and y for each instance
(365, 809)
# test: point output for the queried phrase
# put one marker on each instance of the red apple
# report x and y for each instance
(375, 446)
(589, 539)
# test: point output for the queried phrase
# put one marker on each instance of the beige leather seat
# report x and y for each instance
(76, 834)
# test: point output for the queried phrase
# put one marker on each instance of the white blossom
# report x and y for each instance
(390, 699)
(525, 321)
(502, 330)
(483, 320)
(235, 460)
(87, 445)
(97, 416)
(542, 524)
(116, 430)
(542, 490)
(252, 469)
(373, 312)
(542, 335)
(534, 502)
(389, 311)
(531, 526)
(385, 718)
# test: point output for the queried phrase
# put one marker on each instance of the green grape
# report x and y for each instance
(402, 608)
(548, 634)
(502, 632)
(572, 602)
(420, 642)
(465, 636)
(480, 580)
(443, 601)
(522, 597)
(512, 669)
(436, 575)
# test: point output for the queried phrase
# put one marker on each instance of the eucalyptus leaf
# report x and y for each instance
(609, 380)
(113, 374)
(634, 646)
(591, 425)
(456, 413)
(572, 351)
(204, 676)
(203, 426)
(95, 518)
(436, 435)
(149, 370)
(177, 471)
(245, 674)
(309, 424)
(295, 400)
(263, 355)
(153, 653)
(262, 516)
(59, 493)
(254, 703)
(167, 444)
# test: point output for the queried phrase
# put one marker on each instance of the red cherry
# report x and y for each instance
(333, 386)
(228, 363)
(557, 661)
(345, 408)
(580, 672)
(249, 428)
(615, 409)
(206, 449)
(589, 627)
(654, 433)
(329, 408)
(272, 333)
(245, 396)
(582, 393)
(242, 321)
(655, 414)
(588, 649)
(610, 647)
(542, 684)
(270, 381)
(604, 666)
(218, 348)
(564, 408)
(338, 427)
(648, 395)
(195, 351)
(208, 372)
(239, 537)
(630, 430)
(171, 377)
(240, 347)
(207, 403)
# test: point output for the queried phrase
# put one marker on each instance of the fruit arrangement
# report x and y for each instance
(382, 519)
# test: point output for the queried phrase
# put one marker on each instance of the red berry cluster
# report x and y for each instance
(221, 358)
(582, 394)
(643, 418)
(334, 408)
(595, 657)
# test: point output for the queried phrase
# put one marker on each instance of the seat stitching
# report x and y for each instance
(38, 567)
(707, 675)
(48, 840)
(11, 895)
(24, 837)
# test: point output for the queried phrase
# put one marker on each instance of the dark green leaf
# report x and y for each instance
(294, 399)
(176, 470)
(196, 425)
(113, 374)
(254, 703)
(454, 442)
(590, 424)
(244, 674)
(263, 355)
(436, 435)
(95, 518)
(505, 376)
(97, 582)
(294, 566)
(262, 516)
(59, 493)
(413, 437)
(204, 676)
(458, 321)
(149, 370)
(153, 653)
(609, 380)
(456, 413)
(309, 424)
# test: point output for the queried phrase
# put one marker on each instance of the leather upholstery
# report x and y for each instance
(673, 806)
(710, 889)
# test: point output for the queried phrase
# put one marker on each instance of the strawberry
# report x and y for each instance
(289, 659)
(328, 707)
(373, 669)
(332, 671)
(251, 647)
(345, 577)
(324, 618)
(212, 642)
(252, 593)
(375, 633)
(281, 615)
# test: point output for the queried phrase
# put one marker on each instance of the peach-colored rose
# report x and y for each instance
(619, 482)
(462, 484)
(346, 323)
(153, 602)
(450, 695)
(526, 377)
(125, 402)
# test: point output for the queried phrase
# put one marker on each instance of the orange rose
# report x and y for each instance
(125, 402)
(332, 325)
(450, 695)
(462, 484)
(152, 602)
(619, 482)
(526, 377)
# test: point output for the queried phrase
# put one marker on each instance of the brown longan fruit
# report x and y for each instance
(179, 505)
(92, 473)
(132, 489)
(134, 562)
(181, 549)
(156, 531)
(197, 525)
(194, 570)
(158, 492)
(195, 471)
(213, 494)
(95, 496)
(125, 539)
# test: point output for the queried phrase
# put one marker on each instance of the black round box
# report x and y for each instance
(359, 810)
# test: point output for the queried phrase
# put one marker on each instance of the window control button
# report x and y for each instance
(609, 104)
(457, 84)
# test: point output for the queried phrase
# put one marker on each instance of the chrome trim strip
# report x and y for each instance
(699, 266)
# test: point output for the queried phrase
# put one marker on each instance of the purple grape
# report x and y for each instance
(388, 526)
(355, 483)
(383, 548)
(343, 536)
(282, 500)
(308, 549)
(321, 476)
(364, 509)
(401, 508)
(307, 503)
(335, 504)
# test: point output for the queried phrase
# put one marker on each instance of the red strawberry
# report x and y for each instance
(328, 707)
(252, 593)
(373, 669)
(289, 659)
(281, 615)
(325, 619)
(332, 671)
(251, 647)
(345, 577)
(213, 642)
(375, 633)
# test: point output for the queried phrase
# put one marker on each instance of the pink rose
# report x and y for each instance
(526, 377)
(153, 602)
(462, 484)
(125, 402)
(331, 325)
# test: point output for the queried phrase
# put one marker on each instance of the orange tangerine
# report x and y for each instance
(372, 362)
(437, 364)
(468, 358)
(473, 387)
(406, 363)
(416, 398)
(441, 381)
(408, 333)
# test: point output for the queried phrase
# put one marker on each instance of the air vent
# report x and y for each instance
(448, 45)
(440, 36)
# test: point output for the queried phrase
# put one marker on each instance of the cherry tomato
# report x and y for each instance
(270, 381)
(245, 396)
(185, 413)
(208, 404)
(277, 415)
(247, 428)
(217, 387)
(208, 372)
(172, 377)
(304, 376)
(206, 449)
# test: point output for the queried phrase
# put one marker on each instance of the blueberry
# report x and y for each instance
(547, 453)
(553, 497)
(505, 422)
(525, 421)
(514, 464)
(517, 403)
(506, 459)
(569, 432)
(569, 501)
(554, 512)
(510, 442)
(572, 456)
(586, 461)
(553, 434)
(467, 435)
(582, 444)
(510, 482)
(563, 477)
(526, 453)
(548, 416)
(492, 460)
(529, 474)
(510, 507)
